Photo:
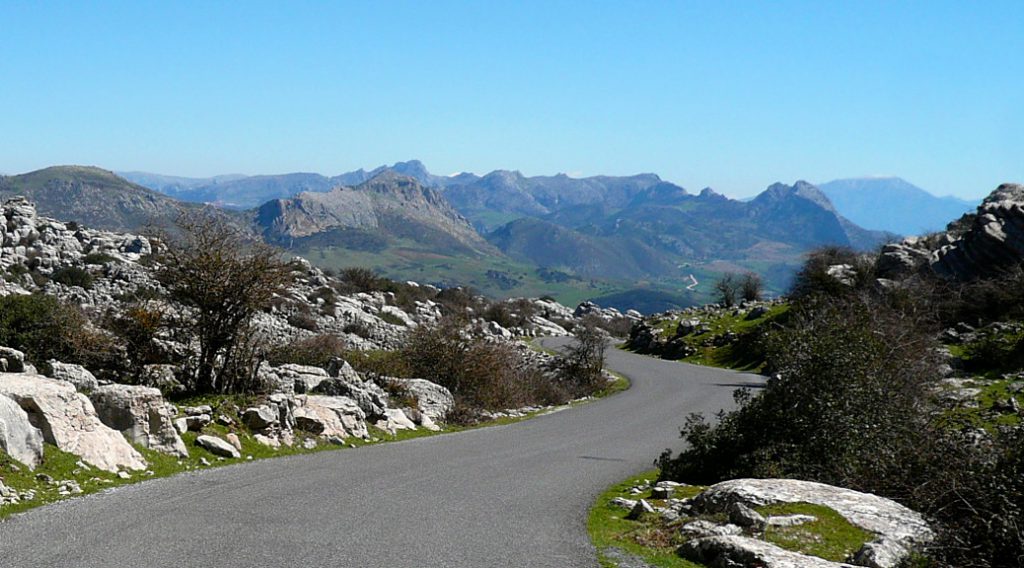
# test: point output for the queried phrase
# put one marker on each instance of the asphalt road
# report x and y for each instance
(503, 496)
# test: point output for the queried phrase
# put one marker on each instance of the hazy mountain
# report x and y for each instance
(895, 205)
(176, 186)
(371, 216)
(504, 195)
(91, 196)
(242, 192)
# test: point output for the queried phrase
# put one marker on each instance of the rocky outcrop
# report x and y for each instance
(898, 529)
(11, 360)
(141, 414)
(978, 245)
(68, 420)
(18, 437)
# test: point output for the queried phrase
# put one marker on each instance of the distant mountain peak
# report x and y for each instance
(802, 189)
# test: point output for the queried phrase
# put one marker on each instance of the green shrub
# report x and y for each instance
(72, 276)
(848, 405)
(44, 329)
(316, 351)
(97, 258)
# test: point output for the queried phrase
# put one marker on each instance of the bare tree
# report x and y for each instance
(727, 288)
(751, 287)
(225, 278)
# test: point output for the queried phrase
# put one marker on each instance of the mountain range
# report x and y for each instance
(634, 238)
(893, 204)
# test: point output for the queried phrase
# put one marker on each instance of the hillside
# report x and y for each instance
(90, 196)
(388, 207)
(893, 204)
(666, 232)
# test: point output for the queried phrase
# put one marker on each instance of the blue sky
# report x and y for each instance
(731, 95)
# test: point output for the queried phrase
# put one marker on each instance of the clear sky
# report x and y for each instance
(732, 95)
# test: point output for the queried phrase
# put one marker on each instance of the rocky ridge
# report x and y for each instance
(979, 244)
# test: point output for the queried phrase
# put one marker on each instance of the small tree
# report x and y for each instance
(582, 362)
(225, 279)
(751, 287)
(727, 288)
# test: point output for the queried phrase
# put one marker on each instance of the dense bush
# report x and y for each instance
(845, 407)
(72, 276)
(317, 351)
(44, 328)
(814, 278)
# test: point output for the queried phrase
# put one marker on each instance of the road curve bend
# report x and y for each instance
(502, 496)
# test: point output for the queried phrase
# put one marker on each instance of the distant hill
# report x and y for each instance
(236, 191)
(893, 204)
(91, 196)
(384, 210)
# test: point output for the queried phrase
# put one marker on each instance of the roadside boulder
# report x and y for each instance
(218, 447)
(68, 420)
(898, 529)
(330, 416)
(432, 400)
(395, 419)
(260, 417)
(141, 414)
(18, 437)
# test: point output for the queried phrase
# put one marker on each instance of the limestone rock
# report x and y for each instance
(896, 526)
(330, 416)
(738, 551)
(77, 375)
(18, 437)
(641, 508)
(141, 414)
(433, 400)
(260, 417)
(394, 419)
(68, 420)
(218, 446)
(11, 360)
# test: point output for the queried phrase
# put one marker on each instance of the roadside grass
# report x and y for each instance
(609, 528)
(830, 537)
(62, 466)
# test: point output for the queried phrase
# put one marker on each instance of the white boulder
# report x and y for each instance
(141, 414)
(68, 420)
(18, 437)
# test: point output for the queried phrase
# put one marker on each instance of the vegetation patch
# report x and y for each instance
(831, 536)
(651, 540)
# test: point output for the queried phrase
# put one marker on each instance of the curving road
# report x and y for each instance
(513, 495)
